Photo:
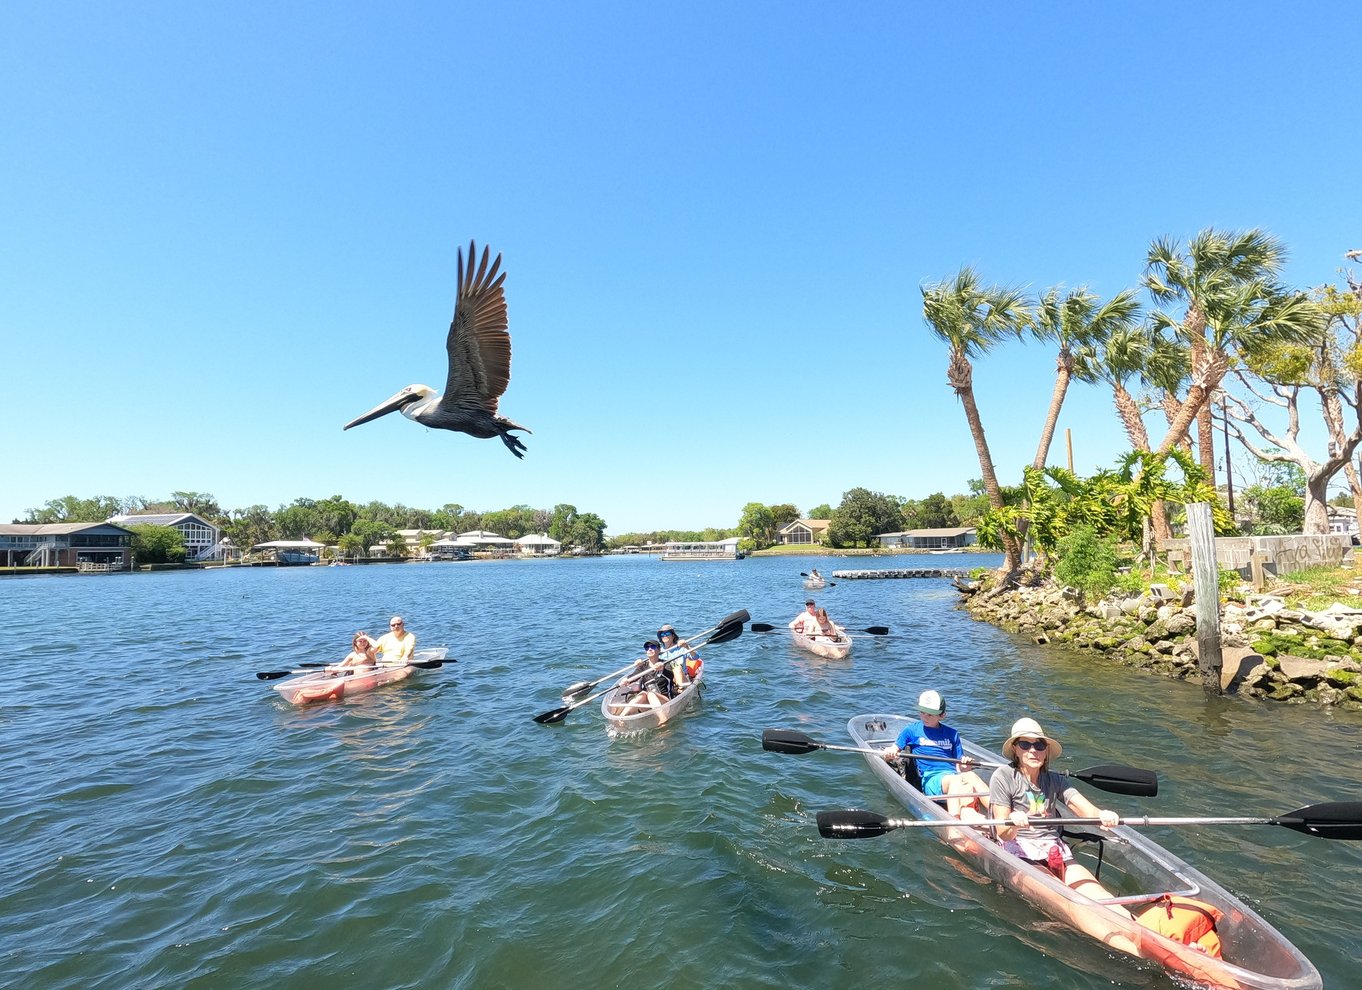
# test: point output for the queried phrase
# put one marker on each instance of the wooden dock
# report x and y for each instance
(904, 572)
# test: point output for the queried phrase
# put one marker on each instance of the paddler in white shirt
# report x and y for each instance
(806, 622)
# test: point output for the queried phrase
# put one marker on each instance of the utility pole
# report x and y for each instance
(1229, 476)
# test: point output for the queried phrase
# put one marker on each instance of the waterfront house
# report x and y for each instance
(87, 545)
(202, 540)
(950, 538)
(804, 531)
(539, 545)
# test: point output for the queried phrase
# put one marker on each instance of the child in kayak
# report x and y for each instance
(950, 773)
(363, 652)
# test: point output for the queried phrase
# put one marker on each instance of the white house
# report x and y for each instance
(201, 538)
(539, 545)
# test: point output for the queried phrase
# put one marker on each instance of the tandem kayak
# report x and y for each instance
(636, 720)
(1137, 870)
(333, 685)
(834, 647)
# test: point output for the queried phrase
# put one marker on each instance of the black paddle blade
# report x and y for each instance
(428, 664)
(726, 633)
(851, 824)
(1332, 820)
(553, 717)
(877, 630)
(1121, 780)
(787, 741)
(763, 627)
(272, 675)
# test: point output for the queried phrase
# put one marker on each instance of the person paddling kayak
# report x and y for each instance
(929, 736)
(397, 645)
(1026, 793)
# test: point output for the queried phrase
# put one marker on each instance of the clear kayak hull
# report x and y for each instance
(333, 685)
(648, 718)
(1135, 869)
(836, 647)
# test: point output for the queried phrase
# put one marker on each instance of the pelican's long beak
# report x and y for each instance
(392, 404)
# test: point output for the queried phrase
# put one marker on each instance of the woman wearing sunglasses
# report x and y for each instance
(1026, 793)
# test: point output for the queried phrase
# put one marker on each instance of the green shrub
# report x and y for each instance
(1087, 562)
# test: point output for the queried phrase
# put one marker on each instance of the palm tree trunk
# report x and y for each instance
(1128, 410)
(1205, 441)
(1011, 565)
(1063, 374)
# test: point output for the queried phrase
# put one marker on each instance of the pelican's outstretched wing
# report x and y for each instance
(479, 346)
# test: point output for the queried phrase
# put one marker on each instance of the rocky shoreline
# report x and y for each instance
(1270, 651)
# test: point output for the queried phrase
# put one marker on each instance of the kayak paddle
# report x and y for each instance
(274, 675)
(729, 628)
(872, 630)
(573, 691)
(1118, 780)
(1331, 820)
(830, 584)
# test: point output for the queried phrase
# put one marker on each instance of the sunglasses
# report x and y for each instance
(664, 635)
(1026, 745)
(650, 649)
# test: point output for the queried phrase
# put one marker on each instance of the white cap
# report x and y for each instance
(931, 703)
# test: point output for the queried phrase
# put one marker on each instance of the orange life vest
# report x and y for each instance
(1184, 920)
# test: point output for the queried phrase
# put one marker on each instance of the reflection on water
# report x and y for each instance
(170, 822)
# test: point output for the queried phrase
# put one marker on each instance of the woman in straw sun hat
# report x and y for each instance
(1026, 793)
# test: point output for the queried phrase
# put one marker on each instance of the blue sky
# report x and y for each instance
(226, 230)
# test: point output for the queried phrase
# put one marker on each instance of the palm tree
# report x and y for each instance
(1076, 320)
(970, 318)
(1227, 284)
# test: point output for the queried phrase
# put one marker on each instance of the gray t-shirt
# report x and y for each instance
(1009, 788)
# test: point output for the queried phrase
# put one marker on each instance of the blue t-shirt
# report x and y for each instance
(920, 740)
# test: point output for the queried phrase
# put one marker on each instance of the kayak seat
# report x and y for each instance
(907, 769)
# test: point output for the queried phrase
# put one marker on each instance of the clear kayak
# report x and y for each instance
(815, 584)
(834, 647)
(335, 684)
(638, 719)
(1138, 872)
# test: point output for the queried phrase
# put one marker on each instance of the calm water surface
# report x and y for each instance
(167, 821)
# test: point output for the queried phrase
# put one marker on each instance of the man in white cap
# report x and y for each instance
(940, 758)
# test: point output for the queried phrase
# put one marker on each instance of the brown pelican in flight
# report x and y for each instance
(479, 364)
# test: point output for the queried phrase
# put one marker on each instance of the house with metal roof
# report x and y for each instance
(87, 545)
(202, 540)
(951, 538)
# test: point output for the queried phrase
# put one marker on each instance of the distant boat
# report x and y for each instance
(703, 550)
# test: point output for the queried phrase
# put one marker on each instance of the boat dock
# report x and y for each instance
(904, 572)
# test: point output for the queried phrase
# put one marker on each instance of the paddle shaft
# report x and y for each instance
(1119, 780)
(274, 675)
(1139, 822)
(763, 627)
